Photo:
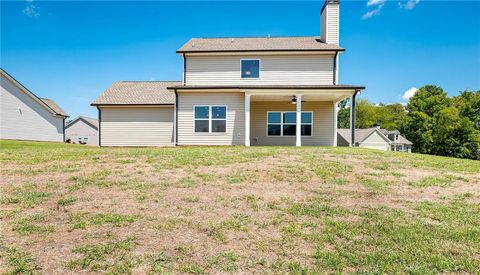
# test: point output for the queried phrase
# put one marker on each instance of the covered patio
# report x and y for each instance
(295, 116)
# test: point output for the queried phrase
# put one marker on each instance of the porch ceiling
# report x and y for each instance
(333, 97)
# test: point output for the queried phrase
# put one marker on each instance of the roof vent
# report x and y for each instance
(193, 45)
(233, 40)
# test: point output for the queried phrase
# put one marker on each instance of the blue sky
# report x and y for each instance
(72, 51)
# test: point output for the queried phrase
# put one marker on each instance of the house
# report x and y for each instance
(237, 91)
(375, 138)
(398, 142)
(82, 130)
(25, 116)
(372, 138)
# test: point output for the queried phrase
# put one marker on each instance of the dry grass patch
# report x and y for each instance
(235, 210)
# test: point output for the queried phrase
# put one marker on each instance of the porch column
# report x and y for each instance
(352, 119)
(335, 123)
(299, 121)
(247, 120)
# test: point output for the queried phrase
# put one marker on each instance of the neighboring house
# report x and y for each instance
(375, 138)
(24, 116)
(398, 142)
(236, 91)
(82, 130)
(372, 138)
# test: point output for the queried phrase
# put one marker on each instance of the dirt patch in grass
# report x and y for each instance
(231, 210)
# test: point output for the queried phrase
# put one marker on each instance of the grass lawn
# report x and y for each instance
(70, 208)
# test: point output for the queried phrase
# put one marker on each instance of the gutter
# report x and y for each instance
(263, 51)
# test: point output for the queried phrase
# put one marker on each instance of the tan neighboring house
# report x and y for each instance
(375, 138)
(236, 91)
(25, 116)
(371, 138)
(398, 142)
(82, 130)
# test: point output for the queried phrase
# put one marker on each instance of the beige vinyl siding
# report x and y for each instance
(375, 141)
(80, 129)
(332, 24)
(137, 126)
(23, 118)
(235, 118)
(274, 70)
(323, 128)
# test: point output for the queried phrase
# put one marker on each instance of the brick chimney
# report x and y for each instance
(330, 22)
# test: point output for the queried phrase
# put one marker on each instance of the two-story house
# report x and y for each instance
(236, 91)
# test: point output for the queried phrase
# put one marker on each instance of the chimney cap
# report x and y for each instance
(329, 2)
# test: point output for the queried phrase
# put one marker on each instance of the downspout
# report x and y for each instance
(99, 126)
(184, 71)
(335, 69)
(64, 118)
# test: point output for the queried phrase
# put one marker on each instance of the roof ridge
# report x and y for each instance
(271, 36)
(153, 81)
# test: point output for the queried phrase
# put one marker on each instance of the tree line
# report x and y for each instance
(436, 123)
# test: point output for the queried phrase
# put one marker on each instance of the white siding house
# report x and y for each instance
(82, 130)
(24, 116)
(236, 91)
(371, 138)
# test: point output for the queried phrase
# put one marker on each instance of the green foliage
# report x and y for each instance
(387, 116)
(435, 123)
(442, 126)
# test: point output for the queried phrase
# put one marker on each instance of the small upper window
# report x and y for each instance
(250, 68)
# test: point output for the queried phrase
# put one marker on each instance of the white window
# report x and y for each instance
(250, 68)
(210, 119)
(285, 124)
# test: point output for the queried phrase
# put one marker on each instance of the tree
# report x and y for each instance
(418, 129)
(429, 99)
(454, 135)
(468, 104)
(368, 115)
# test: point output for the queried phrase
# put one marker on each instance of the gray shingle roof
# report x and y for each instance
(138, 93)
(92, 121)
(360, 134)
(54, 106)
(245, 44)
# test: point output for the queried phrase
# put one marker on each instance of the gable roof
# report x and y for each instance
(138, 93)
(88, 120)
(256, 44)
(48, 104)
(54, 106)
(401, 139)
(360, 134)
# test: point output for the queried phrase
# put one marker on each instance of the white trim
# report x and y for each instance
(247, 119)
(175, 121)
(298, 132)
(335, 124)
(259, 68)
(210, 119)
(281, 124)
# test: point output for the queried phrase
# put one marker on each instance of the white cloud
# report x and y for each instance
(409, 5)
(409, 93)
(375, 2)
(31, 10)
(378, 4)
